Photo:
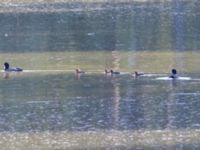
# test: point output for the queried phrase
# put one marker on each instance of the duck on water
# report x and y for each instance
(173, 74)
(7, 68)
(112, 72)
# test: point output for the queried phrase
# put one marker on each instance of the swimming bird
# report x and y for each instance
(9, 69)
(114, 72)
(137, 74)
(106, 71)
(173, 74)
(78, 71)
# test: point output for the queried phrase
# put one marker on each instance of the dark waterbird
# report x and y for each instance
(173, 74)
(111, 72)
(114, 72)
(11, 69)
(137, 74)
(78, 71)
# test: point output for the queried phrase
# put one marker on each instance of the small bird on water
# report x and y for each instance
(137, 74)
(7, 68)
(173, 74)
(111, 72)
(78, 71)
(114, 72)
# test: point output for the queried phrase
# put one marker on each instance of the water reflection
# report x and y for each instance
(141, 26)
(6, 75)
(179, 26)
(60, 102)
(49, 103)
(171, 102)
(116, 103)
(115, 60)
(153, 111)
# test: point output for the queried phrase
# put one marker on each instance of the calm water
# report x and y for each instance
(49, 107)
(61, 27)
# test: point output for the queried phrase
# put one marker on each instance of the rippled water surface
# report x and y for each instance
(48, 106)
(95, 111)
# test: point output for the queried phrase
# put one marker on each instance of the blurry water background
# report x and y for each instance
(49, 107)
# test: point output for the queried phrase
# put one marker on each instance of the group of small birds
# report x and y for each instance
(7, 68)
(173, 74)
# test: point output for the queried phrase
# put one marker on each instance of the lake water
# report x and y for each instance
(48, 106)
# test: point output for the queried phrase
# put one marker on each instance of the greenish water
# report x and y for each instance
(48, 106)
(94, 111)
(136, 26)
(98, 61)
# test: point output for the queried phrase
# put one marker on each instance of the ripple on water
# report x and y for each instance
(168, 78)
(187, 94)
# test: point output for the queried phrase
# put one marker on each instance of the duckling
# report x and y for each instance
(173, 74)
(114, 72)
(106, 71)
(8, 69)
(78, 71)
(137, 74)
